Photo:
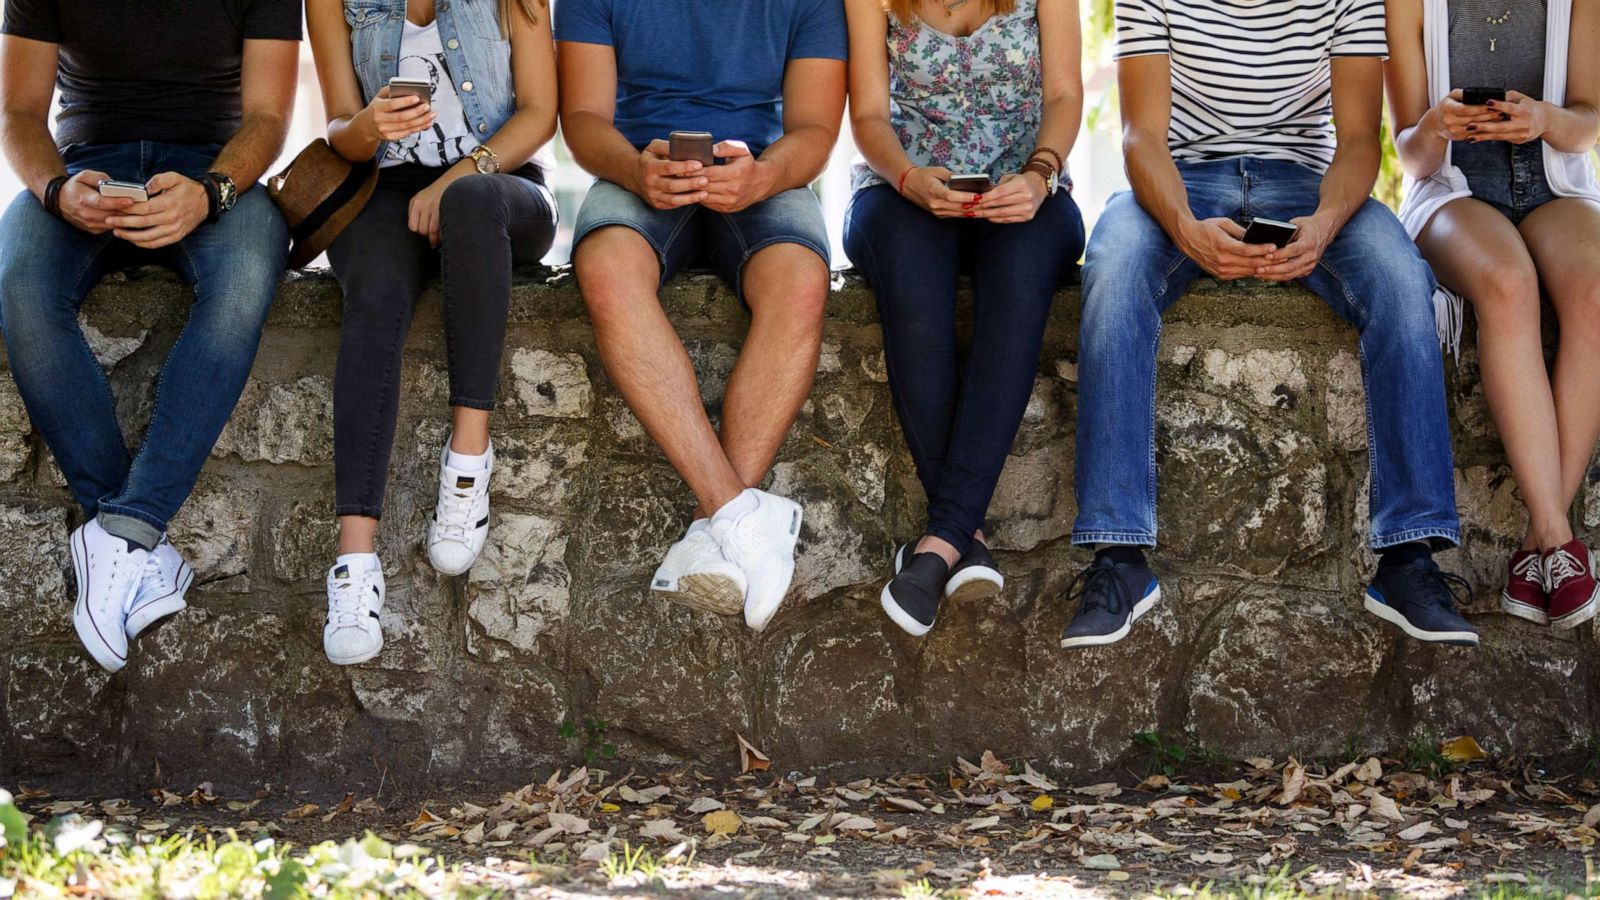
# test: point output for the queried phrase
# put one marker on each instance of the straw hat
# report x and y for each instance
(319, 193)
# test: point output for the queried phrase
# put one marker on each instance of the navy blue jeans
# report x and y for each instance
(960, 419)
(46, 269)
(1371, 276)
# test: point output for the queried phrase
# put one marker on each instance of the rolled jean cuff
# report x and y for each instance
(356, 509)
(1119, 538)
(469, 403)
(131, 525)
(1448, 532)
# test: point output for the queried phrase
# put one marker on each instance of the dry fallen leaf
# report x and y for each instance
(1294, 781)
(1104, 861)
(1462, 749)
(665, 829)
(751, 759)
(705, 805)
(569, 824)
(300, 812)
(646, 796)
(1383, 806)
(723, 821)
(1042, 803)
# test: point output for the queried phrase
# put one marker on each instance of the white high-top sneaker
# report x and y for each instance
(355, 596)
(760, 540)
(161, 592)
(697, 575)
(460, 523)
(109, 572)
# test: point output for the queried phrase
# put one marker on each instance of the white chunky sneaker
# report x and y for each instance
(758, 532)
(697, 575)
(460, 523)
(355, 595)
(109, 572)
(161, 591)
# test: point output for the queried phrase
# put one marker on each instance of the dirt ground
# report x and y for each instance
(993, 828)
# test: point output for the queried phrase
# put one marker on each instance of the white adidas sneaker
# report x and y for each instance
(109, 571)
(352, 633)
(460, 523)
(697, 575)
(761, 542)
(161, 592)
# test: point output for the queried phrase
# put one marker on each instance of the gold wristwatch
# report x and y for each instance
(486, 160)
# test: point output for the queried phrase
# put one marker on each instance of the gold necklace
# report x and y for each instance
(1496, 22)
(952, 5)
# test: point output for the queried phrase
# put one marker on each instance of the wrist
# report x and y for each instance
(766, 179)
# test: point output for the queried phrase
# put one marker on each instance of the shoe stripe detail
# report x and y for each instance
(1374, 604)
(83, 594)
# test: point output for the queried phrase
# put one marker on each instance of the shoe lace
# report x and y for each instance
(345, 596)
(1561, 566)
(1099, 588)
(1433, 585)
(454, 515)
(1528, 568)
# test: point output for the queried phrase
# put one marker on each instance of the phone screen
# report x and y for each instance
(1270, 231)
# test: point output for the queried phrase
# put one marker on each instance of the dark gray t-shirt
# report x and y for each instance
(1516, 31)
(152, 70)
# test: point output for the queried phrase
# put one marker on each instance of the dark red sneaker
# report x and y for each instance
(1569, 577)
(1524, 596)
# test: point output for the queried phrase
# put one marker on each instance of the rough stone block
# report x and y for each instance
(282, 423)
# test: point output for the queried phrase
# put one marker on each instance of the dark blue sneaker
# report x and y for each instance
(1111, 597)
(1421, 599)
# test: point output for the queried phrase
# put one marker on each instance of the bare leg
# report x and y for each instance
(469, 434)
(786, 286)
(357, 534)
(1564, 237)
(1476, 251)
(618, 274)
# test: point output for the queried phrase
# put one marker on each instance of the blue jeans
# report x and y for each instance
(46, 269)
(1371, 276)
(691, 234)
(960, 421)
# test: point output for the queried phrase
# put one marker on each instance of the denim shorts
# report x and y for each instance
(694, 235)
(1508, 177)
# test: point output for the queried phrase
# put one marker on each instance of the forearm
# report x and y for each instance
(31, 151)
(522, 135)
(254, 147)
(1059, 126)
(601, 150)
(880, 147)
(355, 137)
(1348, 182)
(1422, 147)
(798, 158)
(1158, 186)
(1571, 129)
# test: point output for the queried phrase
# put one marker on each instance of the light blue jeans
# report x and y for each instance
(47, 268)
(1371, 276)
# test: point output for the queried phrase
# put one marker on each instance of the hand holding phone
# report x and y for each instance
(420, 88)
(131, 190)
(400, 110)
(1480, 96)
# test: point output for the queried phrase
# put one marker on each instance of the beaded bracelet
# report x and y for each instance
(52, 195)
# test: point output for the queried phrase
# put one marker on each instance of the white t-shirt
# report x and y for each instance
(1252, 77)
(450, 139)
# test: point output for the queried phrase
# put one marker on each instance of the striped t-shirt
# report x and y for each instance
(1252, 77)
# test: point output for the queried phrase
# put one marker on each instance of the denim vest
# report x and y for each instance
(478, 54)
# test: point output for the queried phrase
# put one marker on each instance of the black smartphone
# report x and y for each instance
(1479, 96)
(1270, 231)
(971, 184)
(414, 87)
(132, 190)
(692, 145)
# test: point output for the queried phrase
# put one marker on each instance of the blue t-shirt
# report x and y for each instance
(704, 65)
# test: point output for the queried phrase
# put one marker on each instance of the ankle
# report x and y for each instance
(1403, 554)
(1121, 554)
(469, 443)
(939, 547)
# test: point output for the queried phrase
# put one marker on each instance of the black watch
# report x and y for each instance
(224, 196)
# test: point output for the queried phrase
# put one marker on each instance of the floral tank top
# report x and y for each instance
(971, 104)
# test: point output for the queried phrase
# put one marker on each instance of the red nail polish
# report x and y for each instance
(972, 215)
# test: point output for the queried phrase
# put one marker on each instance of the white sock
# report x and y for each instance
(462, 462)
(359, 562)
(697, 526)
(738, 506)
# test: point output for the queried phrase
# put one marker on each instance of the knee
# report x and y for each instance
(616, 270)
(1579, 309)
(1507, 293)
(472, 198)
(788, 283)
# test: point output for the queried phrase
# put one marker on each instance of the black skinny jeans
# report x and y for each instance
(487, 224)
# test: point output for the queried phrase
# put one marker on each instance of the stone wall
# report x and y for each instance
(1260, 645)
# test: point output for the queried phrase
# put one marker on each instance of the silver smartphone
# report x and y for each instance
(130, 189)
(412, 87)
(971, 184)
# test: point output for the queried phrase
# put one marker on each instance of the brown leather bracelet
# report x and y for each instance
(1061, 164)
(1041, 168)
